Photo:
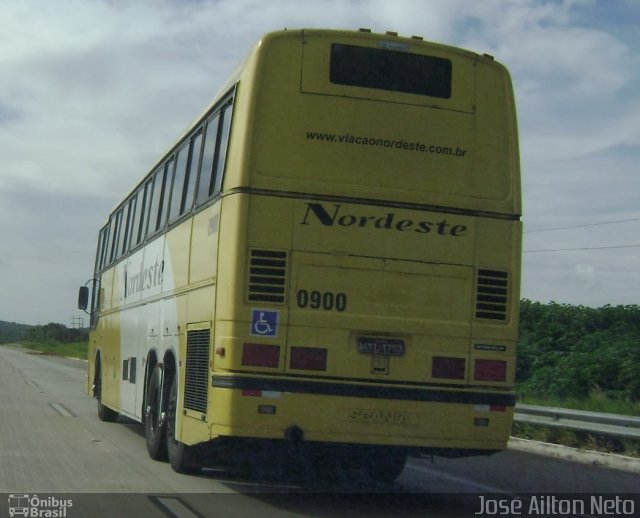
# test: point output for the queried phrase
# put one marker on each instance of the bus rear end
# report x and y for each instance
(376, 306)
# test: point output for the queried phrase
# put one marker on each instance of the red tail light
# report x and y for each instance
(448, 368)
(490, 370)
(258, 355)
(308, 358)
(252, 392)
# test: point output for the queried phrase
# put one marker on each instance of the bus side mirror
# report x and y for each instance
(83, 298)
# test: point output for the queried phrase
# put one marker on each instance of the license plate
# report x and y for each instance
(386, 346)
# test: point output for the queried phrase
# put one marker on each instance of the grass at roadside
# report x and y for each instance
(576, 439)
(596, 402)
(70, 350)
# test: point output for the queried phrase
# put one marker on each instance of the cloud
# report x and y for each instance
(585, 275)
(91, 75)
(559, 68)
(93, 92)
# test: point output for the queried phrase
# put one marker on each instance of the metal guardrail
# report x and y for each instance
(614, 425)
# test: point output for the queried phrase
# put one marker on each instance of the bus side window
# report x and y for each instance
(123, 239)
(206, 170)
(134, 234)
(114, 233)
(192, 173)
(95, 302)
(177, 192)
(130, 226)
(146, 200)
(102, 247)
(221, 155)
(107, 248)
(169, 168)
(156, 198)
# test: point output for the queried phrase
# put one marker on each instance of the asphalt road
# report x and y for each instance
(53, 448)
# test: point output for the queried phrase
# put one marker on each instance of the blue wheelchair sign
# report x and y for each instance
(264, 323)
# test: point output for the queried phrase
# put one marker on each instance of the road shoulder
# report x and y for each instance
(593, 458)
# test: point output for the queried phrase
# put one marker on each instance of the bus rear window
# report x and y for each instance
(390, 70)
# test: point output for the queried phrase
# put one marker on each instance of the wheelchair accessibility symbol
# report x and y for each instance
(264, 323)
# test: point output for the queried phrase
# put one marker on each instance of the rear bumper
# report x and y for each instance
(352, 413)
(351, 389)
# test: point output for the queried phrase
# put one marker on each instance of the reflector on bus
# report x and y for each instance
(448, 368)
(308, 358)
(259, 355)
(490, 370)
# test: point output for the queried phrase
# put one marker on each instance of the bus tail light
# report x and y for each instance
(490, 408)
(252, 392)
(308, 358)
(259, 355)
(448, 368)
(490, 370)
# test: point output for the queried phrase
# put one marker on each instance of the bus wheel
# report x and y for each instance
(183, 458)
(104, 413)
(385, 466)
(154, 417)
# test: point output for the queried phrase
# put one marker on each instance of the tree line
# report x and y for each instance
(567, 351)
(564, 351)
(50, 333)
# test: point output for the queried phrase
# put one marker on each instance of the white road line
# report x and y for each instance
(175, 507)
(62, 410)
(472, 484)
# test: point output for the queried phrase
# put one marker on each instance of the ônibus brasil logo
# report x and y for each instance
(34, 506)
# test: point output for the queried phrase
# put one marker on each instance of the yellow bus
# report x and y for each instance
(327, 262)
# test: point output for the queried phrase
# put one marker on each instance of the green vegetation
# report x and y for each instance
(595, 402)
(576, 439)
(70, 350)
(581, 358)
(51, 338)
(578, 354)
(11, 332)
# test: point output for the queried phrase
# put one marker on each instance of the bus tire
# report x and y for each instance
(105, 413)
(183, 458)
(154, 418)
(385, 466)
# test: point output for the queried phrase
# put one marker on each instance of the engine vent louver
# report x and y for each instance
(197, 370)
(492, 294)
(267, 276)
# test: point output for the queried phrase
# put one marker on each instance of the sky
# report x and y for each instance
(93, 92)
